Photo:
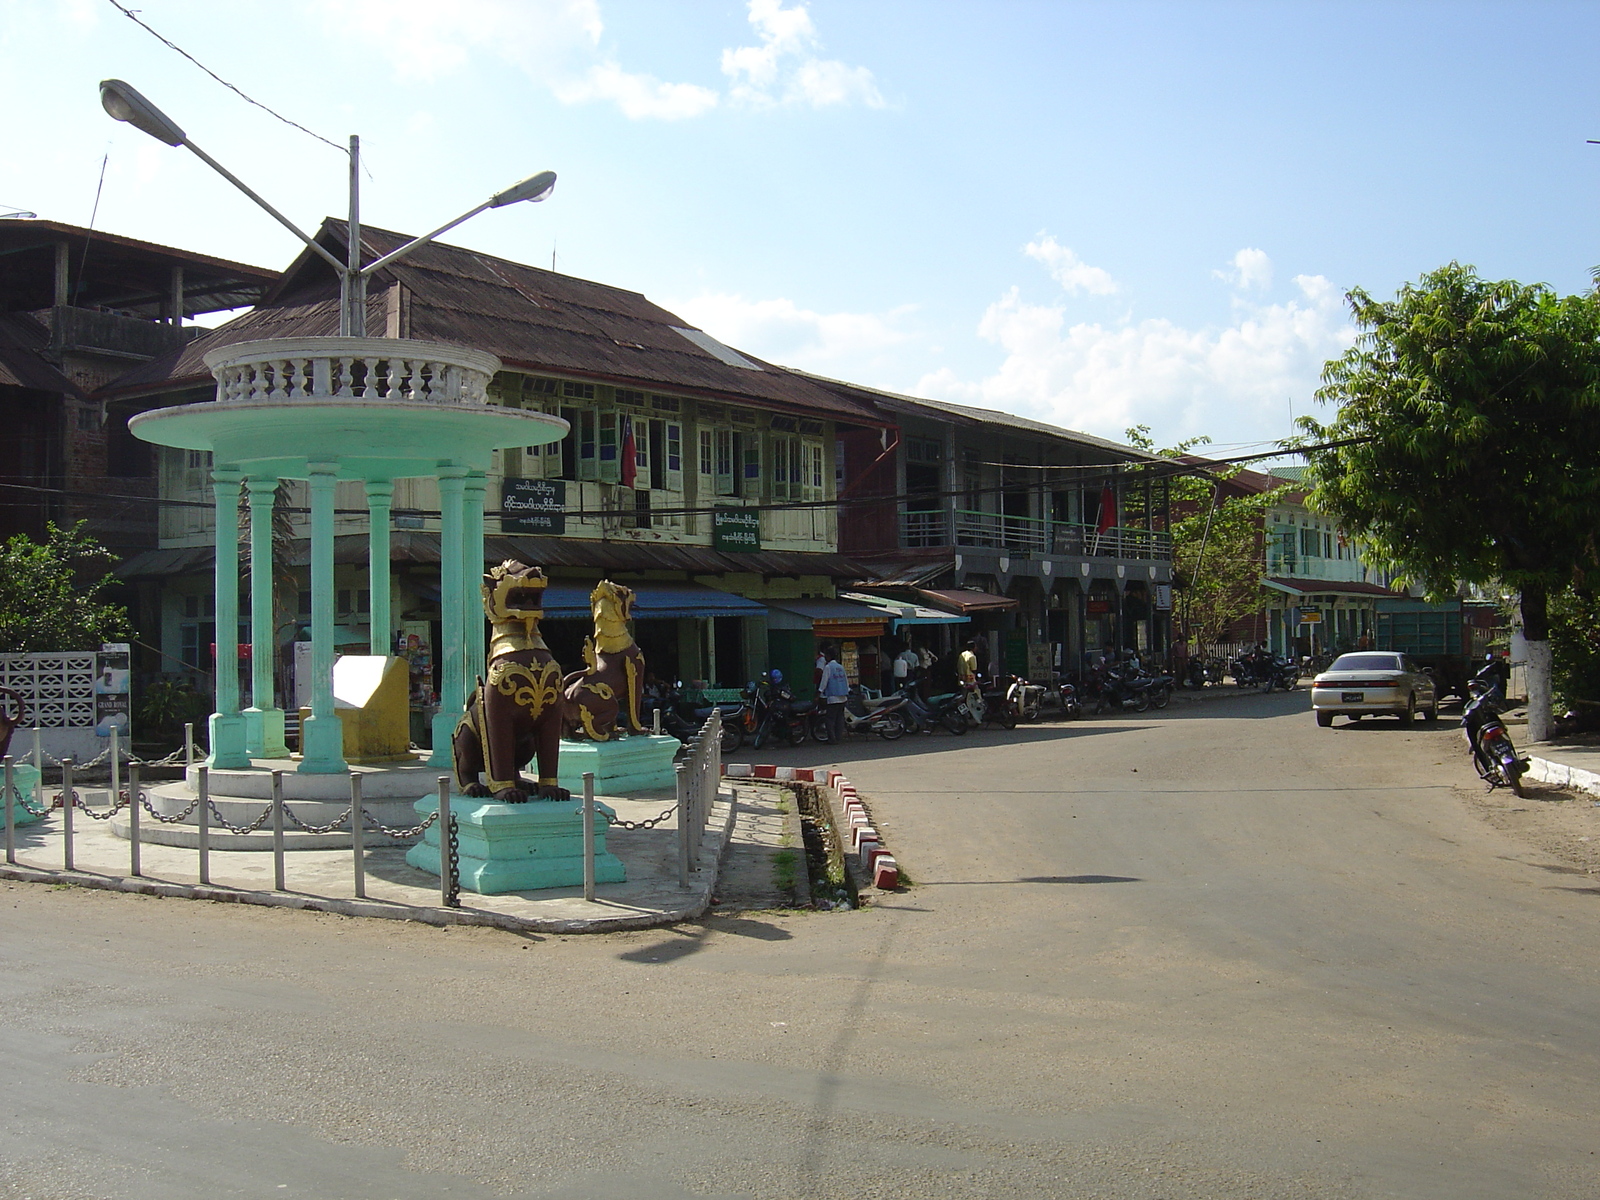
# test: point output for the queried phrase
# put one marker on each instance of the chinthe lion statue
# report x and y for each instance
(609, 692)
(514, 715)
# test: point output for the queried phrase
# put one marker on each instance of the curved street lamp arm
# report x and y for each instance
(417, 243)
(248, 191)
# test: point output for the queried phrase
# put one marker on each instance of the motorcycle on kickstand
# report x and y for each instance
(1493, 755)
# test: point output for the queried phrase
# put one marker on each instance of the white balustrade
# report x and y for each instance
(311, 370)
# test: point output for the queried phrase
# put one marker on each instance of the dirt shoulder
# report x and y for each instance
(1557, 821)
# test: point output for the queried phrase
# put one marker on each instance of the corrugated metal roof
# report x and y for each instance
(897, 402)
(1308, 587)
(533, 319)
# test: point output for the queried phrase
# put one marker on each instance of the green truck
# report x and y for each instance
(1451, 637)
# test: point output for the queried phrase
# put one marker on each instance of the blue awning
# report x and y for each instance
(905, 613)
(652, 601)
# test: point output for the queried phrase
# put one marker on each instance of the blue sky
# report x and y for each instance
(1093, 214)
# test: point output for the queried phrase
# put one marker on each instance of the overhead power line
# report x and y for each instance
(134, 17)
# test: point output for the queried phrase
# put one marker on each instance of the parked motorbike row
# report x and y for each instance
(1253, 668)
(768, 712)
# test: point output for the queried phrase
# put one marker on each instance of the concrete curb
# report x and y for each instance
(1562, 775)
(699, 897)
(861, 839)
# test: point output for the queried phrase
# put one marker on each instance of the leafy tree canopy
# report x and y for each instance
(51, 594)
(1471, 409)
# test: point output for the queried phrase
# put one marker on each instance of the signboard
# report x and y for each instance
(111, 708)
(1163, 595)
(1097, 606)
(1310, 616)
(736, 529)
(534, 506)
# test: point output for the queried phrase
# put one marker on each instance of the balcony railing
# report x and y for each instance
(299, 370)
(1036, 535)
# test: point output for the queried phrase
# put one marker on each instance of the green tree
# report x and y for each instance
(1575, 647)
(1218, 552)
(1468, 443)
(52, 593)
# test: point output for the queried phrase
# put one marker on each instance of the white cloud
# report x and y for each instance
(781, 331)
(1251, 269)
(637, 96)
(1233, 383)
(783, 69)
(1067, 269)
(429, 40)
(557, 43)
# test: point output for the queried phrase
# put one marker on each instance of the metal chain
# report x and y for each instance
(266, 815)
(612, 819)
(336, 823)
(144, 803)
(452, 898)
(78, 803)
(395, 832)
(54, 804)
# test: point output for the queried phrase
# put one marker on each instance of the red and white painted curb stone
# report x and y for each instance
(873, 859)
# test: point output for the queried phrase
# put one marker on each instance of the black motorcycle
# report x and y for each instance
(777, 713)
(684, 720)
(1282, 673)
(1493, 755)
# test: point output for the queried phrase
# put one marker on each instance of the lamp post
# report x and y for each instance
(125, 103)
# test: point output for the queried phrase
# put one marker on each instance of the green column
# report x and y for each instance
(379, 495)
(477, 642)
(322, 734)
(227, 723)
(263, 720)
(452, 634)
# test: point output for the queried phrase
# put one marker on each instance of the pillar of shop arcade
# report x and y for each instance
(326, 410)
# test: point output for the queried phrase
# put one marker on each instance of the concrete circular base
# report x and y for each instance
(389, 793)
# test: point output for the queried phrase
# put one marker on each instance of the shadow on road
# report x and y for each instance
(1078, 879)
(682, 941)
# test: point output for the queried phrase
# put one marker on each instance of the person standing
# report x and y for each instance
(834, 688)
(967, 663)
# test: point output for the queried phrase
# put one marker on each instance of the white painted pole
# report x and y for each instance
(588, 835)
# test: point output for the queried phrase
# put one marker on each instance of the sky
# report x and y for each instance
(1093, 214)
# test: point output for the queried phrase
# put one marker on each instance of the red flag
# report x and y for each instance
(1108, 510)
(630, 453)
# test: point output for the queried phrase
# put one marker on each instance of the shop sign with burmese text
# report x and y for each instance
(534, 506)
(736, 529)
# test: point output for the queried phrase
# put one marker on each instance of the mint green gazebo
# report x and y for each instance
(329, 409)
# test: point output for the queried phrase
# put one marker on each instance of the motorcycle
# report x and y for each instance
(1283, 673)
(1068, 698)
(775, 712)
(1121, 688)
(1002, 701)
(1493, 755)
(684, 720)
(887, 716)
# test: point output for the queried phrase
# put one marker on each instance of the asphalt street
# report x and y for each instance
(1213, 952)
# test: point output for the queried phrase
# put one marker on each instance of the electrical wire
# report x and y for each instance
(132, 16)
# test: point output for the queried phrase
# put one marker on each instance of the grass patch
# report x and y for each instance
(785, 863)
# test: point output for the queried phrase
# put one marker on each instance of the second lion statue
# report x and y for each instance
(611, 691)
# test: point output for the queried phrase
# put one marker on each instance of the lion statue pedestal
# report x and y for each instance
(26, 781)
(519, 847)
(641, 763)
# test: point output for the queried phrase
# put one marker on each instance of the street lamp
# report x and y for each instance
(125, 103)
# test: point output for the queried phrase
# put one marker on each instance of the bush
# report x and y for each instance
(1575, 646)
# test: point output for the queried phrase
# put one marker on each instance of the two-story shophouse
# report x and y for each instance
(1056, 543)
(699, 476)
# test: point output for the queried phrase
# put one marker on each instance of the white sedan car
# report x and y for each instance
(1373, 681)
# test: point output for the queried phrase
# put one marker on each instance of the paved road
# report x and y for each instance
(1213, 953)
